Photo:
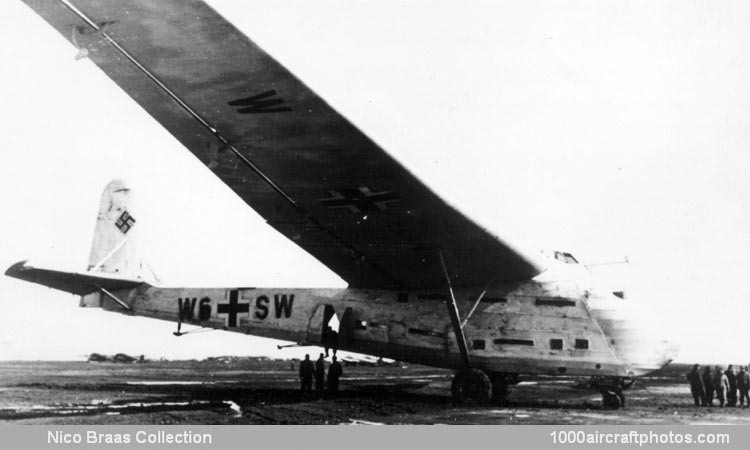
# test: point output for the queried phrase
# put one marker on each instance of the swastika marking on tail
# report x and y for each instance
(125, 222)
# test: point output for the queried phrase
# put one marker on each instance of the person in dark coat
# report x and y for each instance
(320, 374)
(743, 384)
(306, 374)
(708, 385)
(732, 392)
(334, 373)
(696, 386)
(330, 340)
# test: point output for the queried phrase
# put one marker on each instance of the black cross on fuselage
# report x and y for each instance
(233, 308)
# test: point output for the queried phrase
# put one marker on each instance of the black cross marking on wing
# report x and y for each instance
(265, 102)
(359, 200)
(125, 222)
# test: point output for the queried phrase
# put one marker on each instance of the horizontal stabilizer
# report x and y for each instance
(73, 282)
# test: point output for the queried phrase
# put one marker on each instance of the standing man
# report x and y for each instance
(320, 374)
(708, 384)
(334, 373)
(696, 386)
(306, 374)
(721, 385)
(732, 393)
(743, 384)
(326, 338)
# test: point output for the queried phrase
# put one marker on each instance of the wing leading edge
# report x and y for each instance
(308, 171)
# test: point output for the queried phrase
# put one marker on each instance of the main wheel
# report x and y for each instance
(610, 400)
(471, 386)
(500, 389)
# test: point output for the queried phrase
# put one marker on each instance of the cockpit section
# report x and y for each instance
(565, 267)
(565, 257)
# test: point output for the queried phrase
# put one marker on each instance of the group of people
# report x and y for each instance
(723, 384)
(309, 371)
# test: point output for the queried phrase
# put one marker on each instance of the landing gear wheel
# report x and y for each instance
(612, 390)
(471, 386)
(611, 400)
(500, 390)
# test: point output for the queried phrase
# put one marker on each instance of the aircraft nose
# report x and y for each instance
(651, 352)
(641, 343)
(665, 346)
(642, 356)
(667, 350)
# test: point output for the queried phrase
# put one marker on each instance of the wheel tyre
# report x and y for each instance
(610, 400)
(457, 391)
(500, 391)
(471, 386)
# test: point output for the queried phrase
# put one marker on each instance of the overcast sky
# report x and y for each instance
(608, 129)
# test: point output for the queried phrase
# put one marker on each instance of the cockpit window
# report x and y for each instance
(567, 258)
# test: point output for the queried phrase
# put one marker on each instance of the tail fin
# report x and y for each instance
(112, 262)
(113, 250)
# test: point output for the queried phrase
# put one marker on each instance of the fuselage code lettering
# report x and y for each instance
(279, 306)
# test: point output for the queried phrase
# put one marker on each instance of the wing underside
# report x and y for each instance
(308, 171)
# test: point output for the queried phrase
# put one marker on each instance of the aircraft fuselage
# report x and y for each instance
(530, 327)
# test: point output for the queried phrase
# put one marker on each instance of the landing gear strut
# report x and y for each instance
(471, 386)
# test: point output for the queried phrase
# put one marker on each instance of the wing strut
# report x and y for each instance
(124, 305)
(473, 308)
(450, 302)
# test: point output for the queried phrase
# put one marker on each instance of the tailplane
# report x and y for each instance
(113, 262)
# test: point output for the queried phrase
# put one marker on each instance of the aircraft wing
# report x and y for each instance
(301, 165)
(72, 282)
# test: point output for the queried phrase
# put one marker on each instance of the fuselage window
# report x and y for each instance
(426, 332)
(569, 258)
(514, 342)
(582, 344)
(555, 301)
(556, 344)
(478, 344)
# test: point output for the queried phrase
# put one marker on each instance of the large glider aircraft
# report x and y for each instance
(426, 284)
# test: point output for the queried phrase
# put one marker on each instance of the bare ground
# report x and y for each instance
(262, 391)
